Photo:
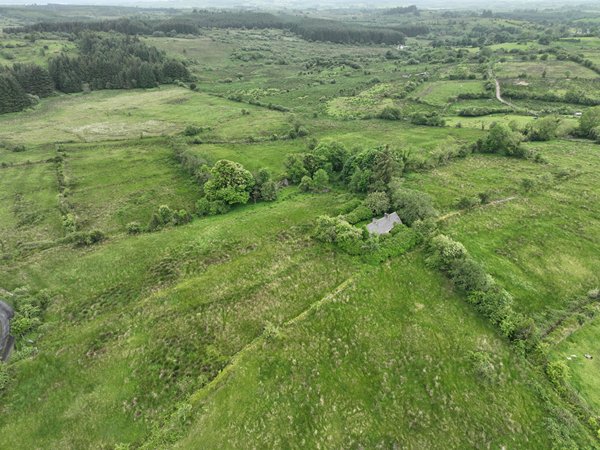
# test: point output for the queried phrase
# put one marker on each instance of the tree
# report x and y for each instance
(306, 184)
(386, 166)
(589, 120)
(295, 169)
(12, 96)
(501, 139)
(333, 152)
(412, 205)
(377, 202)
(320, 180)
(229, 183)
(543, 129)
(265, 188)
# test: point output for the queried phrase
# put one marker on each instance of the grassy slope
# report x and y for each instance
(543, 245)
(141, 322)
(114, 184)
(385, 363)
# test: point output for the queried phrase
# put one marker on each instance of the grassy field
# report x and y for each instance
(114, 184)
(242, 330)
(535, 69)
(541, 246)
(377, 364)
(439, 93)
(136, 313)
(583, 371)
(114, 115)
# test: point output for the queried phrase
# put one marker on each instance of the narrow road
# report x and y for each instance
(499, 96)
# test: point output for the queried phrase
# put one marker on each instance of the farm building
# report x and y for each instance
(384, 225)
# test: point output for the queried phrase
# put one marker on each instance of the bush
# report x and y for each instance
(338, 231)
(412, 205)
(444, 251)
(359, 214)
(377, 202)
(134, 228)
(468, 275)
(390, 113)
(191, 130)
(86, 238)
(558, 374)
(501, 139)
(3, 376)
(70, 223)
(306, 184)
(181, 217)
(484, 367)
(467, 202)
(320, 180)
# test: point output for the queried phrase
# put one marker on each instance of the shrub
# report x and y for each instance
(359, 214)
(191, 130)
(70, 223)
(501, 139)
(181, 217)
(338, 231)
(134, 228)
(377, 202)
(320, 180)
(412, 205)
(468, 275)
(467, 202)
(558, 374)
(390, 113)
(87, 238)
(444, 251)
(165, 213)
(306, 184)
(3, 376)
(483, 366)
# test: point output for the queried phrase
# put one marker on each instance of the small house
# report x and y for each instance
(384, 225)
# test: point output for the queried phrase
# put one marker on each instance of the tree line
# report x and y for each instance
(103, 62)
(191, 23)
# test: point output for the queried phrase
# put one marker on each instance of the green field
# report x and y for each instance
(190, 263)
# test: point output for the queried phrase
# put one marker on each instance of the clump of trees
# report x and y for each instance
(103, 62)
(113, 62)
(163, 217)
(491, 300)
(229, 183)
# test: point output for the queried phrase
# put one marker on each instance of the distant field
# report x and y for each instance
(38, 52)
(113, 115)
(535, 69)
(439, 93)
